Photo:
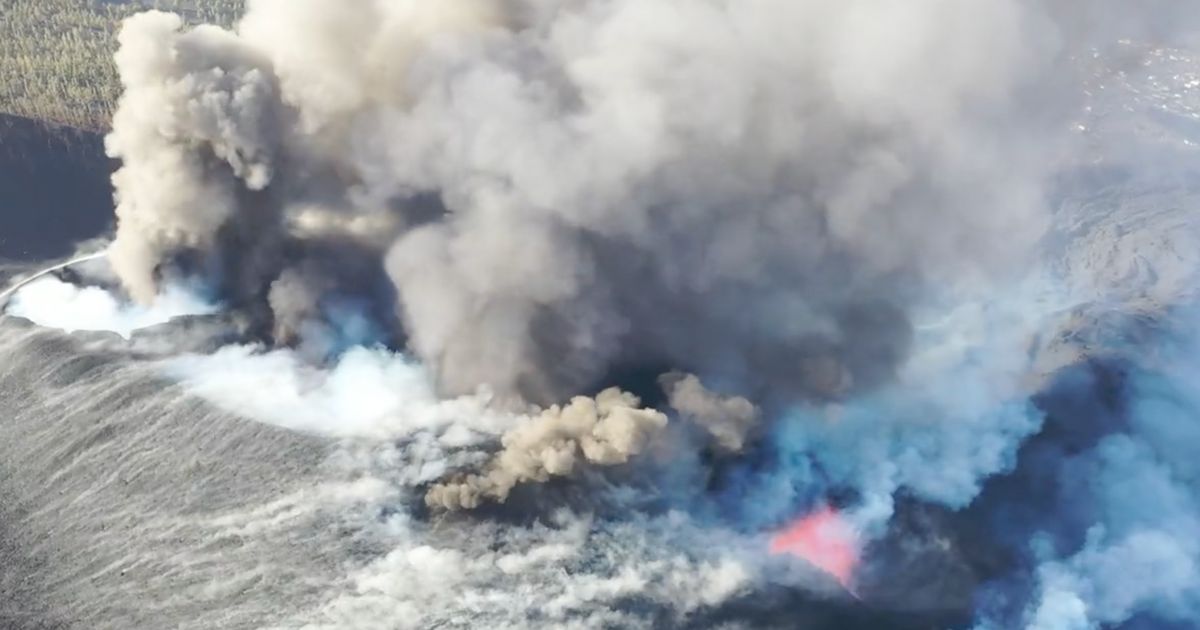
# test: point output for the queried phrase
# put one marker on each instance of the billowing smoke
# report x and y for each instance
(564, 190)
(727, 419)
(605, 431)
(195, 128)
(722, 267)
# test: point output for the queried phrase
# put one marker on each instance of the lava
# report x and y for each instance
(823, 539)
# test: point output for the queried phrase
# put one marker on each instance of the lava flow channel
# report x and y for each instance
(823, 539)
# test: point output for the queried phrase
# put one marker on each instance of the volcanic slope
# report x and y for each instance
(126, 504)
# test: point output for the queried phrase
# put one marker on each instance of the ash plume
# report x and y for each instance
(606, 430)
(195, 129)
(593, 194)
(727, 419)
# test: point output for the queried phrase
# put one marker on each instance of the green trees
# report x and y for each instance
(56, 55)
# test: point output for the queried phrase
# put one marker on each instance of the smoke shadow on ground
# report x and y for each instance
(54, 189)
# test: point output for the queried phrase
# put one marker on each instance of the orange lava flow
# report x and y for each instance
(824, 540)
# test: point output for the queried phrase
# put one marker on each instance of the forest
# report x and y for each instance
(56, 61)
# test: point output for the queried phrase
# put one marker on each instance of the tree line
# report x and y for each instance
(56, 61)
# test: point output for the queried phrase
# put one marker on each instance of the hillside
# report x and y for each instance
(56, 55)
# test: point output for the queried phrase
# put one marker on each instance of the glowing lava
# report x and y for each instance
(824, 540)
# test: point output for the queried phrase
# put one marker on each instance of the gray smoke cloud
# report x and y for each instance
(196, 130)
(563, 188)
(606, 430)
(727, 419)
(295, 300)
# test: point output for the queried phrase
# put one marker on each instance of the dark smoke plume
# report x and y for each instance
(738, 191)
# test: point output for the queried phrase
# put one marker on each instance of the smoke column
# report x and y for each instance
(728, 189)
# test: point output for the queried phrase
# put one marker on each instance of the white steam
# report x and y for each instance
(58, 304)
(368, 393)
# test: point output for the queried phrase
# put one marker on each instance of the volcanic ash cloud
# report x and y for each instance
(604, 431)
(550, 191)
